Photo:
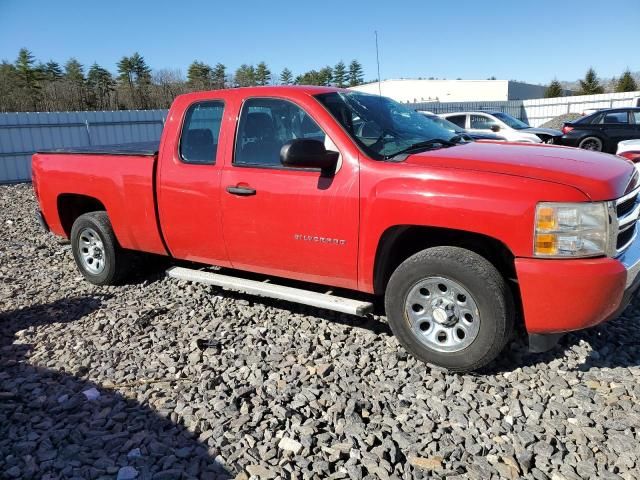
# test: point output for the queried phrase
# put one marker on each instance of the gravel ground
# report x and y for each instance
(558, 122)
(110, 383)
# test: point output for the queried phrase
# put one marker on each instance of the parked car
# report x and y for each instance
(601, 131)
(511, 128)
(629, 149)
(452, 127)
(459, 238)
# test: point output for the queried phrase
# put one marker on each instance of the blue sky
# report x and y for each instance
(519, 39)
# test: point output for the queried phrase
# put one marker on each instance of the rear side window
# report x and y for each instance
(636, 116)
(459, 120)
(200, 133)
(615, 117)
(266, 124)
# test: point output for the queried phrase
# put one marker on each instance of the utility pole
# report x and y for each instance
(378, 62)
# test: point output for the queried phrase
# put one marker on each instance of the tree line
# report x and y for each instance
(592, 85)
(29, 85)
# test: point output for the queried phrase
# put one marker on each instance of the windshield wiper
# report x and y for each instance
(426, 144)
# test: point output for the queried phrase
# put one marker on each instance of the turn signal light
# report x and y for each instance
(546, 219)
(546, 244)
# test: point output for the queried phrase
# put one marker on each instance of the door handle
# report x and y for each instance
(242, 191)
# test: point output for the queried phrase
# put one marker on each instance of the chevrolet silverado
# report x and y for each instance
(334, 187)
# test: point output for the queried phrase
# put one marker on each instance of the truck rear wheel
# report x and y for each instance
(450, 307)
(96, 251)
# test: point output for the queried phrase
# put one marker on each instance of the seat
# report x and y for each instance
(198, 146)
(260, 145)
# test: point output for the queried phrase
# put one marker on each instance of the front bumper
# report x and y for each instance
(565, 295)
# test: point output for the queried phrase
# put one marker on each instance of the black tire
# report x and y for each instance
(480, 278)
(116, 260)
(592, 143)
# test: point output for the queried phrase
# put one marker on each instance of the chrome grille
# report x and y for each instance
(627, 210)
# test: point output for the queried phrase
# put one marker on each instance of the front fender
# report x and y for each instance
(494, 205)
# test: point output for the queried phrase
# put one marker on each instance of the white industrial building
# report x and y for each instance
(414, 91)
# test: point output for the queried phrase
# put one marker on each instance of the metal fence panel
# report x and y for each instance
(542, 110)
(512, 107)
(23, 133)
(537, 111)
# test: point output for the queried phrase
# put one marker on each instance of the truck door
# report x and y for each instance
(189, 182)
(284, 221)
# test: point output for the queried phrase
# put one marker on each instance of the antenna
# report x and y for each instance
(378, 62)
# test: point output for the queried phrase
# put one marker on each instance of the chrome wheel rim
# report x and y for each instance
(591, 145)
(91, 251)
(442, 314)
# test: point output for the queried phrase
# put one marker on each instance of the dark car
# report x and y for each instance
(461, 131)
(602, 130)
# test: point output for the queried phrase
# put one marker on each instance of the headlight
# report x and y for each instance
(571, 229)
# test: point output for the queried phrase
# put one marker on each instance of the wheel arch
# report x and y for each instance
(399, 242)
(71, 205)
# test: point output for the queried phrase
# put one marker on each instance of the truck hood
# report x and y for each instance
(599, 175)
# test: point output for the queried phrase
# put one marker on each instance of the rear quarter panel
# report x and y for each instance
(123, 184)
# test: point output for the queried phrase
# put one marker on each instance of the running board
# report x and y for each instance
(297, 295)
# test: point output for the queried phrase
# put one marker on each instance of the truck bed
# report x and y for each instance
(133, 149)
(119, 179)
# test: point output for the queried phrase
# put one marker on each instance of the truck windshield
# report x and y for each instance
(511, 121)
(384, 128)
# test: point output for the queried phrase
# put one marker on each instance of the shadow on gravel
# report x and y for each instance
(57, 425)
(367, 323)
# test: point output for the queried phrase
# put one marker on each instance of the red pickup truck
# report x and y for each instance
(355, 191)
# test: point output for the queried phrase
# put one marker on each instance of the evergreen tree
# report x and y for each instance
(312, 77)
(9, 99)
(140, 69)
(135, 74)
(263, 74)
(52, 71)
(28, 78)
(591, 84)
(199, 76)
(286, 77)
(326, 76)
(245, 76)
(74, 71)
(355, 73)
(340, 75)
(218, 76)
(626, 83)
(101, 85)
(554, 89)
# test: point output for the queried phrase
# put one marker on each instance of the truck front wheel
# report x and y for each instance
(450, 307)
(96, 251)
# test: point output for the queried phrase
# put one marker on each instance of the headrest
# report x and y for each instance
(259, 124)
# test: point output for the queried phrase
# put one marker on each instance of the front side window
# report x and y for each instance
(513, 122)
(200, 133)
(459, 120)
(266, 124)
(481, 122)
(382, 127)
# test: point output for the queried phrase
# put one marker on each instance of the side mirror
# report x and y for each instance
(495, 128)
(308, 153)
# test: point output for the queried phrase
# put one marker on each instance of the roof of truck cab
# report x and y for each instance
(263, 90)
